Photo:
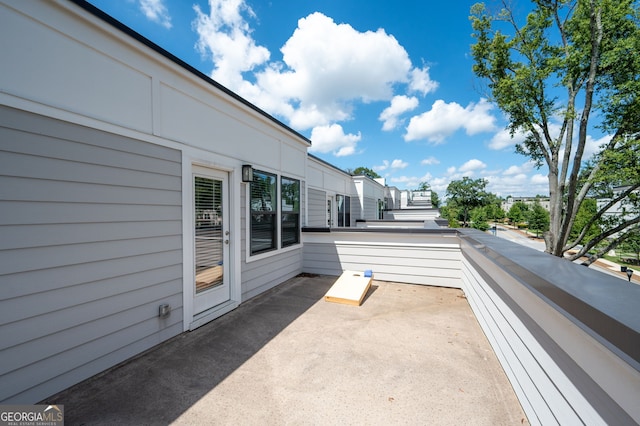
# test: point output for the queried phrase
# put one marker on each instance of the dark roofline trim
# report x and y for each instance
(139, 37)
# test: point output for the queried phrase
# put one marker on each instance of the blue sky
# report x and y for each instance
(385, 85)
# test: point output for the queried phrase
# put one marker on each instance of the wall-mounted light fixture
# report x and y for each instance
(247, 173)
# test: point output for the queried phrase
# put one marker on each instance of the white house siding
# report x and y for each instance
(317, 212)
(370, 206)
(90, 246)
(415, 258)
(95, 222)
(369, 193)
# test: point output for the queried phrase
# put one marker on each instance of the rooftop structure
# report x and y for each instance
(141, 200)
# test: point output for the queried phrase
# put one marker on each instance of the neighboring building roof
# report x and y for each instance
(130, 32)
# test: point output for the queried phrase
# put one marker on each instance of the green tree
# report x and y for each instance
(576, 62)
(451, 213)
(631, 245)
(466, 194)
(583, 221)
(435, 199)
(493, 207)
(359, 171)
(424, 186)
(517, 212)
(479, 218)
(538, 219)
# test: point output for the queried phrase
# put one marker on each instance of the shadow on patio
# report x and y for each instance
(410, 354)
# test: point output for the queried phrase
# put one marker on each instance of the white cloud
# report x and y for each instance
(503, 139)
(523, 168)
(156, 11)
(399, 105)
(539, 179)
(430, 161)
(398, 164)
(444, 119)
(520, 184)
(395, 164)
(326, 67)
(383, 167)
(333, 139)
(421, 81)
(411, 182)
(227, 37)
(594, 146)
(472, 165)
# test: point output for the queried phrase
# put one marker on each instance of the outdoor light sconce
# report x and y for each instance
(247, 173)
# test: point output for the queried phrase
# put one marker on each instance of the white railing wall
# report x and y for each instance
(407, 257)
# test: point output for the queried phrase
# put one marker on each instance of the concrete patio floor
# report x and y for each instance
(409, 355)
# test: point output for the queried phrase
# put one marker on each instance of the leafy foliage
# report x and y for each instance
(518, 212)
(424, 186)
(435, 199)
(576, 62)
(479, 218)
(538, 219)
(359, 171)
(466, 194)
(451, 213)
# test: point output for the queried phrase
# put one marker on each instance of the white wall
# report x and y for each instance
(72, 68)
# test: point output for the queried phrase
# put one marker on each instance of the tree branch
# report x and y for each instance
(599, 214)
(603, 236)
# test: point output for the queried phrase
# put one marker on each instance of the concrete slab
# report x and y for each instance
(409, 355)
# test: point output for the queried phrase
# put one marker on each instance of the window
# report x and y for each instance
(344, 210)
(290, 199)
(263, 205)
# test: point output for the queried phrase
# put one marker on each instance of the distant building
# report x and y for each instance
(622, 209)
(529, 201)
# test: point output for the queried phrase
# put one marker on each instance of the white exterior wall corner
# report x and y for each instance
(369, 192)
(101, 81)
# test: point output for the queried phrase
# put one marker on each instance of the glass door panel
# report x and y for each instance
(209, 221)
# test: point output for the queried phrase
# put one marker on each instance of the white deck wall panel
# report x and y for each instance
(399, 257)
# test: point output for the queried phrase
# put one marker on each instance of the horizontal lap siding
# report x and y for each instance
(439, 266)
(317, 212)
(90, 245)
(370, 208)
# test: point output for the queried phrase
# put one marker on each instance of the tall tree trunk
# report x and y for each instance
(555, 209)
